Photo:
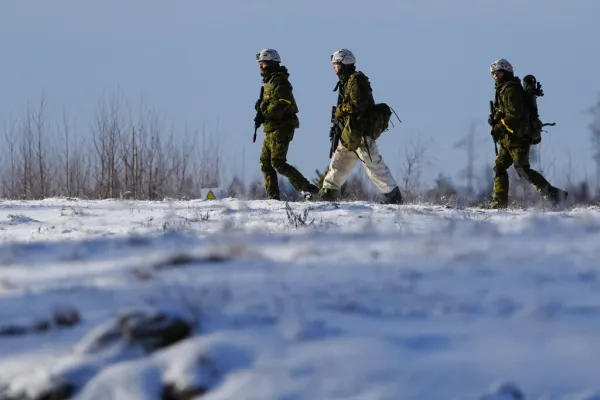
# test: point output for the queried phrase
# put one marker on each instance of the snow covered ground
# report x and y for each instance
(315, 301)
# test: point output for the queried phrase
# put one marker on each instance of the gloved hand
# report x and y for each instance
(491, 120)
(497, 131)
(338, 112)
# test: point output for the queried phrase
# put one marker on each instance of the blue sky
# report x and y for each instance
(194, 63)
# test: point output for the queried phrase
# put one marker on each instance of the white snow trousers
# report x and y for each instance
(343, 161)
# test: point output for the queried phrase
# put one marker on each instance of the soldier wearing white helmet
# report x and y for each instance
(358, 139)
(277, 112)
(266, 55)
(501, 65)
(511, 128)
(343, 57)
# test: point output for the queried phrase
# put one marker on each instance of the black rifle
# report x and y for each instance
(335, 132)
(259, 119)
(493, 122)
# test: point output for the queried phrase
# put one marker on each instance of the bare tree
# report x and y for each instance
(9, 184)
(485, 185)
(569, 171)
(115, 157)
(181, 160)
(107, 135)
(209, 157)
(467, 143)
(594, 127)
(443, 191)
(415, 159)
(40, 150)
(66, 155)
(27, 149)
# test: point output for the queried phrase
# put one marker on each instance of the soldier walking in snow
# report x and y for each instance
(358, 138)
(512, 127)
(276, 111)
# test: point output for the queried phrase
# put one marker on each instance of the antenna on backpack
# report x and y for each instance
(394, 111)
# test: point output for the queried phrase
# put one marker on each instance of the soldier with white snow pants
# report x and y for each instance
(343, 162)
(358, 138)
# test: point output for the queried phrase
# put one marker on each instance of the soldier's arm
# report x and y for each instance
(513, 109)
(359, 96)
(280, 100)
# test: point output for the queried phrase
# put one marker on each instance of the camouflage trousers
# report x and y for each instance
(519, 156)
(273, 161)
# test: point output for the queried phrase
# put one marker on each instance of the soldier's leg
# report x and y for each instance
(520, 156)
(376, 168)
(521, 159)
(280, 142)
(340, 167)
(501, 166)
(269, 173)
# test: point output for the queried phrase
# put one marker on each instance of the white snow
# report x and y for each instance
(361, 301)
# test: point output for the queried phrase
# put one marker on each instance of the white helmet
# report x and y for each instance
(501, 65)
(268, 55)
(343, 56)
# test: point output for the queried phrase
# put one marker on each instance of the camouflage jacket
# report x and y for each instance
(278, 105)
(355, 110)
(357, 96)
(512, 114)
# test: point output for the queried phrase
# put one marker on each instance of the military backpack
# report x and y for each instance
(531, 90)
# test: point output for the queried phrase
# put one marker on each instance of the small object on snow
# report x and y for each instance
(183, 260)
(12, 330)
(66, 316)
(210, 196)
(504, 391)
(41, 326)
(130, 336)
(172, 392)
(59, 391)
(151, 330)
(154, 331)
(61, 317)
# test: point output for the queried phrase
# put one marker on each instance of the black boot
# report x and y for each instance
(393, 197)
(496, 204)
(557, 197)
